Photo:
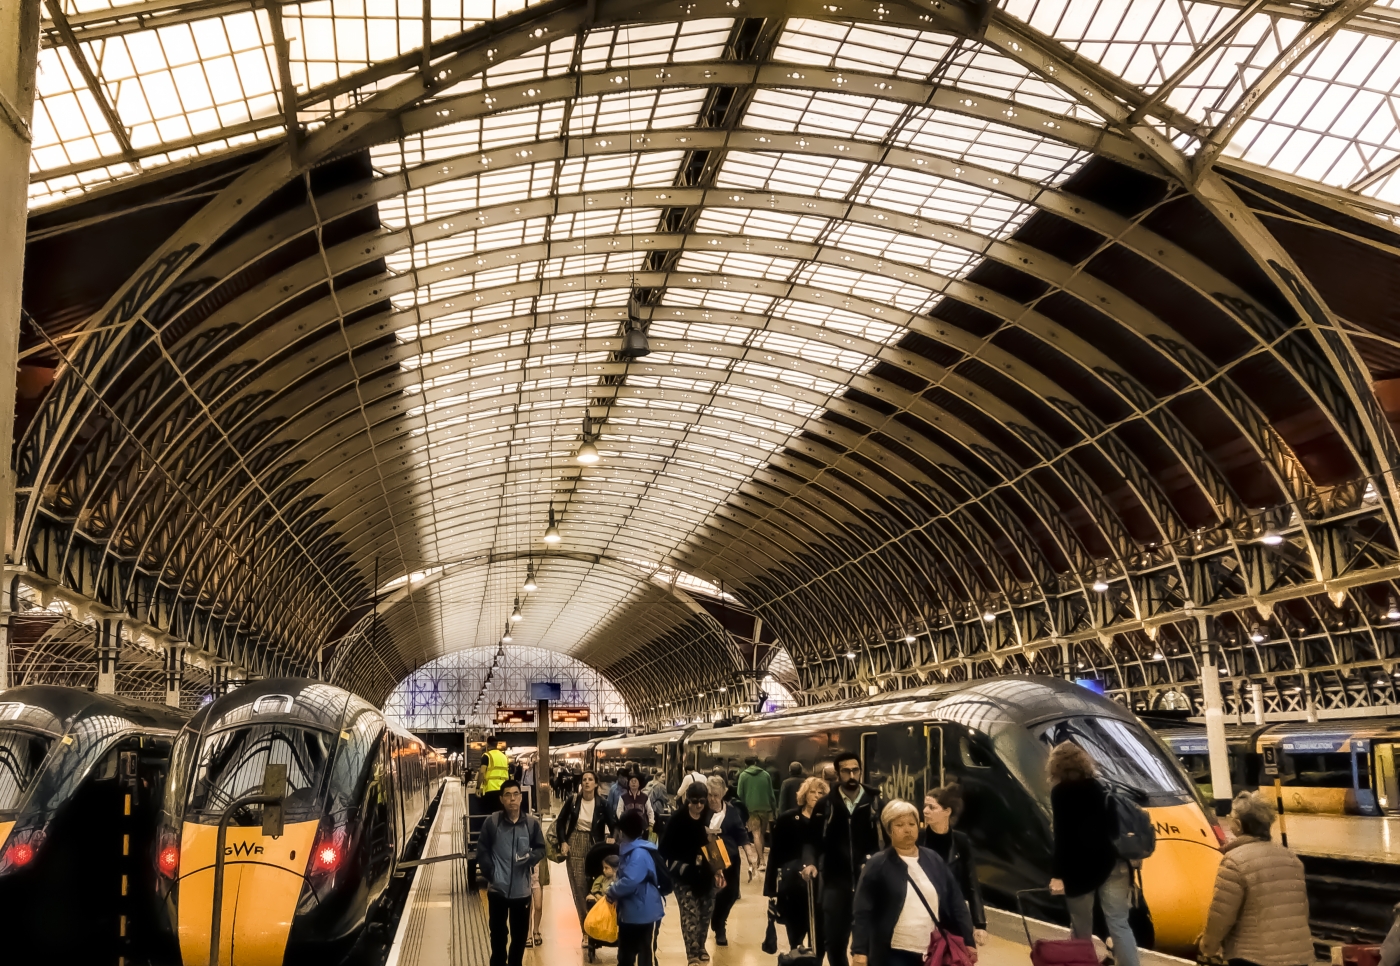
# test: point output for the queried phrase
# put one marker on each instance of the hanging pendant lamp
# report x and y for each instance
(551, 533)
(530, 585)
(515, 615)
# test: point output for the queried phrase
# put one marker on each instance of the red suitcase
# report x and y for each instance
(1361, 955)
(1056, 952)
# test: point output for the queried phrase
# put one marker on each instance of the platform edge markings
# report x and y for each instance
(409, 935)
(471, 936)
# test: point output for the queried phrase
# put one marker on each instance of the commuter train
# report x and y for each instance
(993, 737)
(81, 778)
(356, 804)
(1335, 767)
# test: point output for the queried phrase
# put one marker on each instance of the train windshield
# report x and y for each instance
(1124, 753)
(22, 755)
(231, 764)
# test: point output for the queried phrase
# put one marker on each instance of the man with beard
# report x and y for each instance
(848, 832)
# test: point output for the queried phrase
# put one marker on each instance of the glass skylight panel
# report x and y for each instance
(813, 351)
(993, 145)
(954, 202)
(947, 260)
(807, 175)
(641, 44)
(840, 319)
(701, 332)
(905, 295)
(717, 300)
(1333, 118)
(631, 111)
(758, 221)
(435, 201)
(604, 221)
(869, 47)
(818, 112)
(778, 374)
(737, 263)
(615, 172)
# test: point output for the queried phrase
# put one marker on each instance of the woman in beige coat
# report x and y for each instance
(1259, 913)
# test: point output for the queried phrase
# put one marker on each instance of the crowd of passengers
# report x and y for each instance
(879, 879)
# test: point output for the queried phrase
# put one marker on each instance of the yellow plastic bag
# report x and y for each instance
(601, 921)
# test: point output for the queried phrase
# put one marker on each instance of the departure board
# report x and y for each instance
(510, 716)
(568, 716)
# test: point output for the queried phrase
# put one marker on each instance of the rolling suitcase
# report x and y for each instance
(807, 955)
(1056, 952)
(1360, 955)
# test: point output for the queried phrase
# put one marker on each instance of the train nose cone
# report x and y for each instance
(1178, 878)
(262, 880)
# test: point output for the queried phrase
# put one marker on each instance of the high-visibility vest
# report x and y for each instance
(497, 770)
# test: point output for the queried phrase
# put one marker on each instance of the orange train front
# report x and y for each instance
(357, 795)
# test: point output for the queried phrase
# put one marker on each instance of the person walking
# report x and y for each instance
(848, 833)
(1259, 911)
(683, 848)
(509, 847)
(791, 861)
(616, 789)
(760, 801)
(727, 825)
(1084, 863)
(495, 769)
(584, 821)
(637, 892)
(633, 799)
(942, 809)
(787, 792)
(660, 801)
(905, 893)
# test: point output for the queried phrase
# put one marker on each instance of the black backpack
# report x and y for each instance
(1136, 837)
(664, 885)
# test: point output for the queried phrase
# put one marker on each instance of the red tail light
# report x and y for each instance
(22, 849)
(1220, 834)
(20, 855)
(327, 857)
(169, 861)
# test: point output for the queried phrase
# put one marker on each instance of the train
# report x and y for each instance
(993, 737)
(357, 803)
(81, 782)
(1342, 766)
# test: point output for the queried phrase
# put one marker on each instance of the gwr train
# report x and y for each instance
(81, 778)
(358, 792)
(993, 737)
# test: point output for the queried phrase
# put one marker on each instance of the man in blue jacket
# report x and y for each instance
(511, 844)
(637, 893)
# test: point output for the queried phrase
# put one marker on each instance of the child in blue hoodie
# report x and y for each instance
(640, 904)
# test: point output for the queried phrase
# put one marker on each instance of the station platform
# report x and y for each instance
(444, 924)
(1361, 838)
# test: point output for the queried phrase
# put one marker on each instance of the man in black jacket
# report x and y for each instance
(847, 832)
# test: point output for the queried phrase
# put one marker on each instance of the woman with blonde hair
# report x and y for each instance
(1259, 912)
(792, 861)
(1084, 864)
(905, 893)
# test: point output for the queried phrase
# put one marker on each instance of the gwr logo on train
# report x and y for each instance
(243, 848)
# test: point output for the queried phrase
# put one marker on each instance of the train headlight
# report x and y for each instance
(327, 858)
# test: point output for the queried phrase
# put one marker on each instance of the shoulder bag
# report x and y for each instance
(944, 948)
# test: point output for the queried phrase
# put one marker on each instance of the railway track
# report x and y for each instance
(1351, 901)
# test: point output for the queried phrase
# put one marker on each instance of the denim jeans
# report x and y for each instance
(1115, 898)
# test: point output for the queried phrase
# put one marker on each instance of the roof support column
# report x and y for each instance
(109, 649)
(19, 53)
(174, 673)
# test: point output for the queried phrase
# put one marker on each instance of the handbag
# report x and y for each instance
(718, 855)
(770, 935)
(1139, 916)
(944, 949)
(551, 844)
(601, 921)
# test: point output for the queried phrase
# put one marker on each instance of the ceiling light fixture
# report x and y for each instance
(634, 340)
(851, 655)
(515, 615)
(530, 585)
(1271, 537)
(1258, 635)
(1100, 583)
(1393, 612)
(587, 453)
(1157, 655)
(909, 638)
(551, 533)
(989, 615)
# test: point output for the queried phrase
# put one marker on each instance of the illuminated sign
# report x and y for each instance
(513, 716)
(569, 716)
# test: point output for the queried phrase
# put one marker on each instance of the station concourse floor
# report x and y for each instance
(444, 922)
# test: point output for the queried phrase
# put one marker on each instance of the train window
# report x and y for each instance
(21, 756)
(231, 764)
(972, 754)
(1123, 752)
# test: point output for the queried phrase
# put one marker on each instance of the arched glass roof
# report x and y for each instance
(885, 287)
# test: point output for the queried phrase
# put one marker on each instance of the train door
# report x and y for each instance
(869, 755)
(1387, 785)
(933, 757)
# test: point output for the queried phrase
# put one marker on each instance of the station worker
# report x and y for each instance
(942, 809)
(511, 844)
(848, 832)
(905, 893)
(495, 769)
(1259, 911)
(1084, 862)
(637, 892)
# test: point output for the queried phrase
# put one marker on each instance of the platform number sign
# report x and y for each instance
(1271, 760)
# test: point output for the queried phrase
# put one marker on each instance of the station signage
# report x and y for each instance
(569, 716)
(515, 716)
(1271, 760)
